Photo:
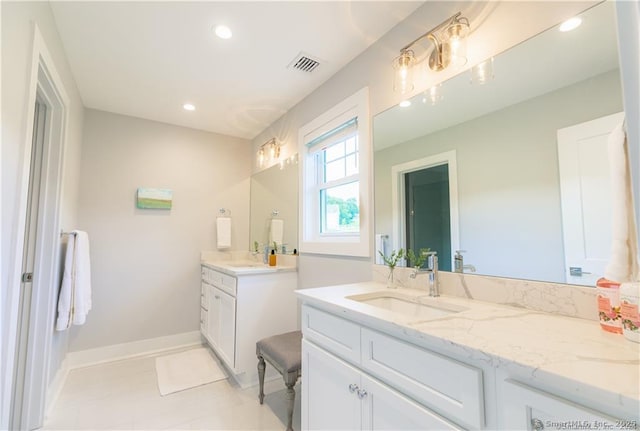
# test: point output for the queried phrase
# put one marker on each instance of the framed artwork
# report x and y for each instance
(149, 198)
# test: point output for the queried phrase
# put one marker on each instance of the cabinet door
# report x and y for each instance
(227, 325)
(387, 409)
(329, 391)
(213, 317)
(526, 408)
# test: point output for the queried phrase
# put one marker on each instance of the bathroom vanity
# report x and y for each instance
(242, 302)
(378, 358)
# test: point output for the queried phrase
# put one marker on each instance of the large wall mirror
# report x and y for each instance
(274, 196)
(509, 165)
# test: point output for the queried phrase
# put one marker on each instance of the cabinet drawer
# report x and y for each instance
(224, 282)
(450, 388)
(527, 408)
(228, 284)
(337, 335)
(204, 295)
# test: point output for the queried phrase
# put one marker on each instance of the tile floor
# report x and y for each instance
(124, 395)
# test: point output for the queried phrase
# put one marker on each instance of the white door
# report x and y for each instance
(227, 339)
(329, 391)
(585, 197)
(386, 409)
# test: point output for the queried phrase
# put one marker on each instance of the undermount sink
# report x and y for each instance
(420, 308)
(247, 265)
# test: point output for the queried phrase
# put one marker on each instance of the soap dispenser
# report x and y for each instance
(272, 258)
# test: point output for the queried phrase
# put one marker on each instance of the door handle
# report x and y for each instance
(576, 271)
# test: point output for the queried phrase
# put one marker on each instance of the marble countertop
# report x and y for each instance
(571, 353)
(246, 267)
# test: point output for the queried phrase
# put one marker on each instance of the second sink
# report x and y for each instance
(419, 308)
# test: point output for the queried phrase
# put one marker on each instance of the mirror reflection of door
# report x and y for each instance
(427, 212)
(586, 198)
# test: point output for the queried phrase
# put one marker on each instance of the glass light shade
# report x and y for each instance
(403, 66)
(456, 38)
(260, 158)
(433, 95)
(482, 73)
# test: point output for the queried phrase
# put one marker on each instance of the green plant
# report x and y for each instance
(255, 246)
(393, 258)
(419, 260)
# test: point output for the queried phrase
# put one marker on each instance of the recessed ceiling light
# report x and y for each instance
(571, 24)
(223, 32)
(405, 103)
(189, 107)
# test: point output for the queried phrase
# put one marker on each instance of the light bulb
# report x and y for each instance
(457, 41)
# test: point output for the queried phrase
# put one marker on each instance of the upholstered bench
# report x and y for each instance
(283, 351)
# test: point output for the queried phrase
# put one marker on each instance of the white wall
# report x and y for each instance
(146, 263)
(496, 27)
(18, 20)
(508, 180)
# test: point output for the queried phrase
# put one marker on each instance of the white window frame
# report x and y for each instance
(311, 238)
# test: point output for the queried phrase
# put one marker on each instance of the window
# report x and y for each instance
(335, 193)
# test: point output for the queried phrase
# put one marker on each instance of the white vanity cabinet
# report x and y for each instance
(238, 310)
(527, 408)
(222, 324)
(339, 396)
(357, 378)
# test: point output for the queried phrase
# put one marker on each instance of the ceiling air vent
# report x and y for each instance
(304, 63)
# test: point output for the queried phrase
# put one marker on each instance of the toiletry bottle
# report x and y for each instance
(272, 258)
(629, 300)
(608, 297)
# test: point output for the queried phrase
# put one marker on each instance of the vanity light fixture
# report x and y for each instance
(449, 40)
(188, 107)
(269, 151)
(570, 24)
(482, 72)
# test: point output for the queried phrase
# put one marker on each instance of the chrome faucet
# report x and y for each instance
(458, 263)
(432, 270)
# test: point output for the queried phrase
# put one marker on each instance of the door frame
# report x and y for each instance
(28, 396)
(398, 191)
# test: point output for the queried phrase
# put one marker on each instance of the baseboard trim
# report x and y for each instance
(116, 352)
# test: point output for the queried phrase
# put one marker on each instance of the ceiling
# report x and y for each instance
(544, 63)
(147, 59)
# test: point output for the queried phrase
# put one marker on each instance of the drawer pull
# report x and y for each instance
(216, 296)
(536, 424)
(362, 393)
(353, 387)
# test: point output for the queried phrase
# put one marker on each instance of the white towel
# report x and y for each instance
(74, 301)
(276, 231)
(223, 228)
(381, 241)
(623, 263)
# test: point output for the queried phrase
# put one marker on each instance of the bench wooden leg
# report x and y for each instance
(261, 367)
(290, 396)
